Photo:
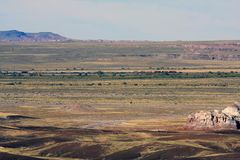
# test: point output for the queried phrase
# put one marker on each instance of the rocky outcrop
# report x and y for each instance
(228, 118)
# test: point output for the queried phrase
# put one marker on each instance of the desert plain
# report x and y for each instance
(116, 100)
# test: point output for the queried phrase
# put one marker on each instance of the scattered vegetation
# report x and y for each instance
(115, 100)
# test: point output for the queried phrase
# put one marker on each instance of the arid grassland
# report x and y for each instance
(121, 117)
(121, 55)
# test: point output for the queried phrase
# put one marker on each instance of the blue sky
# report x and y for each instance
(125, 19)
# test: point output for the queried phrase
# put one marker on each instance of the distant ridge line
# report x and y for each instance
(19, 36)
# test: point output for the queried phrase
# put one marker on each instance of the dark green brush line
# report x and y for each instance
(125, 75)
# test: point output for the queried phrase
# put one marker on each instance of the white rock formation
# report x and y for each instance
(233, 111)
(229, 118)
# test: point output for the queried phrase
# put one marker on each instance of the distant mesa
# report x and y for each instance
(228, 118)
(18, 36)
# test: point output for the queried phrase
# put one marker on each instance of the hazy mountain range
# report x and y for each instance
(18, 36)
